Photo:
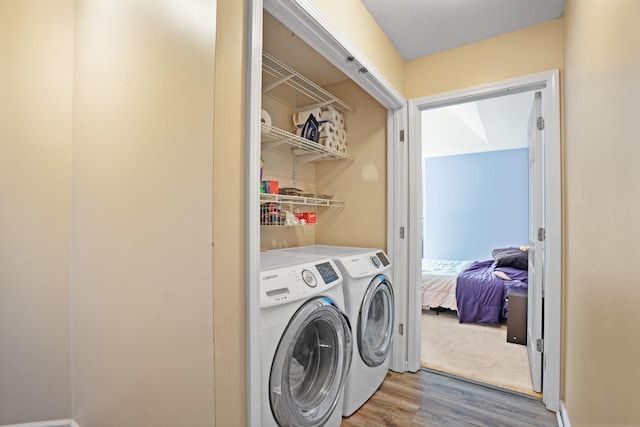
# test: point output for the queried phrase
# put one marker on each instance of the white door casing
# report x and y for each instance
(398, 185)
(536, 242)
(548, 84)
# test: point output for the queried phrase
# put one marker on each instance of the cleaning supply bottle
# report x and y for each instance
(262, 189)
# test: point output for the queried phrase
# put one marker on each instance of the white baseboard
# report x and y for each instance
(56, 423)
(563, 416)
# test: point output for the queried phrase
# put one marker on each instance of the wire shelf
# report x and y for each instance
(305, 149)
(304, 93)
(286, 211)
(301, 200)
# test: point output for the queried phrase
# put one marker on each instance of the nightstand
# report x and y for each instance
(517, 318)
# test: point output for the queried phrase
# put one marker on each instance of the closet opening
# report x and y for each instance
(302, 191)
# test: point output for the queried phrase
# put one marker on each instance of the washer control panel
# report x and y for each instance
(309, 278)
(287, 284)
(328, 272)
(375, 261)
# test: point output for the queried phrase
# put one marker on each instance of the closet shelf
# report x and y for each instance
(305, 150)
(303, 92)
(300, 200)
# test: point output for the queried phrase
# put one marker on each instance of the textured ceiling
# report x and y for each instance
(423, 27)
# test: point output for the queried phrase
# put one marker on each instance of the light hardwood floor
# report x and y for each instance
(427, 398)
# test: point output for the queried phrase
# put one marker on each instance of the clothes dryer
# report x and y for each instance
(369, 302)
(305, 341)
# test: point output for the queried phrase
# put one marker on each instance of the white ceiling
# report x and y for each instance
(487, 125)
(423, 27)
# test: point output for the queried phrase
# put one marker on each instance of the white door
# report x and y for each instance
(536, 243)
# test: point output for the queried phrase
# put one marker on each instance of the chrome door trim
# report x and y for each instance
(375, 356)
(285, 408)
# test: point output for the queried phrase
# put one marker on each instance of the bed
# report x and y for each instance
(439, 282)
(477, 290)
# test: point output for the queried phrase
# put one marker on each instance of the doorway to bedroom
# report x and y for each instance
(544, 231)
(475, 170)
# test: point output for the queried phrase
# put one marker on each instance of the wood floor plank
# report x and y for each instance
(485, 398)
(425, 399)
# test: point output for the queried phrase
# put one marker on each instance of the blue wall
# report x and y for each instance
(474, 203)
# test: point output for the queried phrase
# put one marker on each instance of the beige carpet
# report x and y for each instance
(475, 351)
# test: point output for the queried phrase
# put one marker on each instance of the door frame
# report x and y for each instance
(306, 21)
(548, 83)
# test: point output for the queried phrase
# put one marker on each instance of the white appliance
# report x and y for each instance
(369, 302)
(305, 340)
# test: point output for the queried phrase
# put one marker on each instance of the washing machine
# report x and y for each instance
(369, 301)
(306, 341)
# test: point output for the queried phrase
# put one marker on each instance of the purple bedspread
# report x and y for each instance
(482, 296)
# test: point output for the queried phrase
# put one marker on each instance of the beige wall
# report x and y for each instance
(520, 53)
(361, 182)
(228, 213)
(601, 203)
(142, 304)
(142, 206)
(36, 59)
(353, 20)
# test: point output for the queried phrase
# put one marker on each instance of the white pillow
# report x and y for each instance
(501, 274)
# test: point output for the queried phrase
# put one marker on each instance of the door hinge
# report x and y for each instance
(542, 234)
(402, 135)
(540, 123)
(540, 345)
(402, 232)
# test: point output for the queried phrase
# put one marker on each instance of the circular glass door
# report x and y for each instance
(375, 322)
(310, 365)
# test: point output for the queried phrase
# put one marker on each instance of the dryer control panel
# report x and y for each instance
(383, 258)
(364, 264)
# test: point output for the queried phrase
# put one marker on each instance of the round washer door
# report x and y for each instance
(310, 365)
(375, 322)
